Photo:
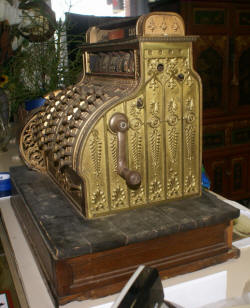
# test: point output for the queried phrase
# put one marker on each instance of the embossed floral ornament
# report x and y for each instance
(171, 83)
(3, 80)
(98, 200)
(134, 110)
(152, 66)
(172, 63)
(118, 197)
(137, 195)
(164, 25)
(153, 85)
(155, 189)
(190, 182)
(154, 105)
(173, 185)
(189, 81)
(172, 106)
(190, 104)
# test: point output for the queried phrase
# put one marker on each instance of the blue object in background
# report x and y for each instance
(5, 184)
(205, 182)
(34, 103)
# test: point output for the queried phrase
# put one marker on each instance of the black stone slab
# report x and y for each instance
(68, 234)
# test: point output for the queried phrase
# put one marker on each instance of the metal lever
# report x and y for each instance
(119, 125)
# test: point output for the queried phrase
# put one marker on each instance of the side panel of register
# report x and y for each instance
(163, 139)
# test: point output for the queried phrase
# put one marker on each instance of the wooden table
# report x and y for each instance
(191, 290)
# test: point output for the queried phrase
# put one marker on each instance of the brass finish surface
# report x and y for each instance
(29, 150)
(160, 24)
(129, 134)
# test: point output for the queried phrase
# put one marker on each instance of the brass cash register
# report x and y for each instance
(128, 135)
(123, 146)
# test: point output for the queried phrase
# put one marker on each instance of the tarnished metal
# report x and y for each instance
(129, 134)
(119, 125)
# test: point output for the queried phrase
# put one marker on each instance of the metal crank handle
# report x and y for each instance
(119, 125)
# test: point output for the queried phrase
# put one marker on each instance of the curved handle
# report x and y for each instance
(119, 125)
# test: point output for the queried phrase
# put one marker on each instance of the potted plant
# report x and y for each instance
(40, 64)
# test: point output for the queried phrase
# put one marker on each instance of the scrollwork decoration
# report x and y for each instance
(173, 142)
(190, 141)
(29, 148)
(136, 149)
(96, 152)
(155, 142)
(113, 147)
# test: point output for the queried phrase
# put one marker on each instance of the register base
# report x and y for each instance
(82, 259)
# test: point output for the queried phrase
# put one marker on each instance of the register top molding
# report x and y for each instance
(157, 24)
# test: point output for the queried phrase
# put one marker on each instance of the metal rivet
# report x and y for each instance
(181, 76)
(160, 67)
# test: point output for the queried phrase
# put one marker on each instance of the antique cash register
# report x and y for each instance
(128, 134)
(118, 157)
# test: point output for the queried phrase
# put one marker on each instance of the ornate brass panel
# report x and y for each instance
(160, 24)
(163, 139)
(29, 148)
(137, 148)
(94, 170)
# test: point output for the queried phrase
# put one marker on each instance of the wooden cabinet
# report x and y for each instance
(217, 168)
(241, 73)
(222, 53)
(238, 179)
(222, 58)
(229, 174)
(211, 58)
